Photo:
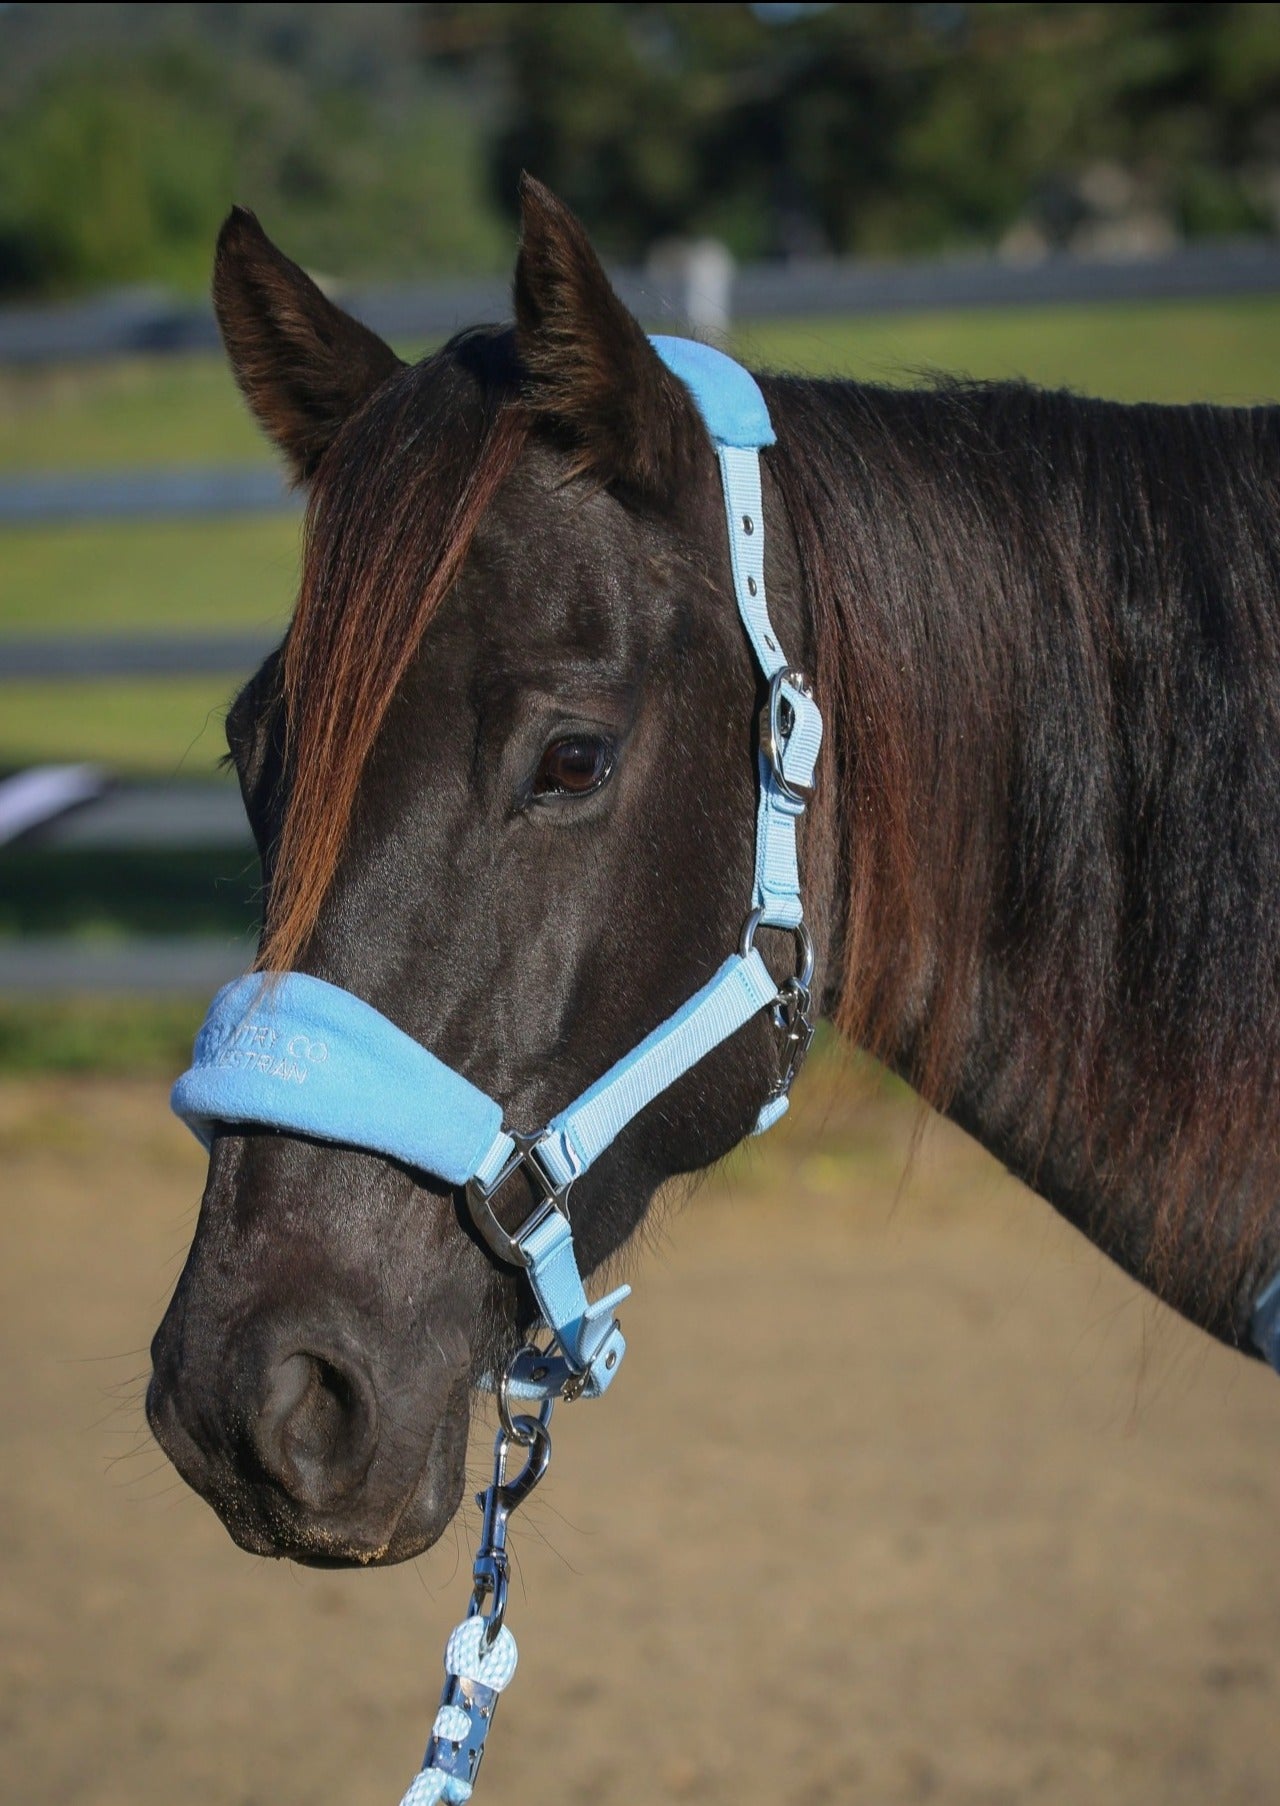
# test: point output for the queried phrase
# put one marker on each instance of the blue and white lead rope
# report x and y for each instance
(464, 1659)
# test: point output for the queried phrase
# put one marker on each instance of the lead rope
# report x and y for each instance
(480, 1656)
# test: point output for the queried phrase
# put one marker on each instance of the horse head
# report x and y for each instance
(502, 778)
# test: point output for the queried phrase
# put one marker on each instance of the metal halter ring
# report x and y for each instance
(777, 722)
(521, 1428)
(803, 979)
(790, 1012)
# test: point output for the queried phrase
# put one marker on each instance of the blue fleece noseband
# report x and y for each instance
(294, 1053)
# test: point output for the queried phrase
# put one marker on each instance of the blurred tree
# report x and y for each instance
(881, 127)
(100, 181)
(127, 132)
(384, 139)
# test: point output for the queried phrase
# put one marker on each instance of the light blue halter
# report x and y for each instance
(299, 1054)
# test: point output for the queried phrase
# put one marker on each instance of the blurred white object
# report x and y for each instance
(698, 273)
(708, 277)
(44, 793)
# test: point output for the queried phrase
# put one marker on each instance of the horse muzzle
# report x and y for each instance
(303, 1447)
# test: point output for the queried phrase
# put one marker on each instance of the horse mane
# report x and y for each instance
(424, 458)
(1048, 648)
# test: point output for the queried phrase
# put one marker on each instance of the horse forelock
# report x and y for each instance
(391, 515)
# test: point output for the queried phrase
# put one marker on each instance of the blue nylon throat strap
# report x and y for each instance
(297, 1054)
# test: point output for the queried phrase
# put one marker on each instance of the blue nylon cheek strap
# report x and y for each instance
(291, 1052)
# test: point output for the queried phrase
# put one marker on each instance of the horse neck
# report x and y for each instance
(1049, 861)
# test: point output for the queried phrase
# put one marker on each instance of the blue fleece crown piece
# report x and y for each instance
(728, 396)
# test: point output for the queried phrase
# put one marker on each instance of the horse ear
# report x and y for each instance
(303, 365)
(593, 378)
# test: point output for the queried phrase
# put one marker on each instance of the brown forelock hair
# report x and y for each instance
(1048, 637)
(392, 512)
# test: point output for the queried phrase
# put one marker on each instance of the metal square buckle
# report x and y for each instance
(777, 723)
(480, 1196)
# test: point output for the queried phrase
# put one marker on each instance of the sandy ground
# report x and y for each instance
(903, 1496)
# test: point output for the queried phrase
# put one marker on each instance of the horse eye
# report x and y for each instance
(574, 767)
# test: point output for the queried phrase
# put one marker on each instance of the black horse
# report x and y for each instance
(502, 778)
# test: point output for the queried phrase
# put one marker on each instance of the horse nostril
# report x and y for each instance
(317, 1427)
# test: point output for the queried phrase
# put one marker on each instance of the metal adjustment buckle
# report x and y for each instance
(790, 1009)
(777, 724)
(480, 1199)
(566, 1364)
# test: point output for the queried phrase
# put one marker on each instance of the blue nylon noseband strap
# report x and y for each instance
(294, 1053)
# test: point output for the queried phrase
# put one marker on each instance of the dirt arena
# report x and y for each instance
(904, 1496)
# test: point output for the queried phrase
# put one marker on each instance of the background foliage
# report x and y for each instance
(126, 132)
(386, 139)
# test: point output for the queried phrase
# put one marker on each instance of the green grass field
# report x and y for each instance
(139, 727)
(1172, 351)
(128, 414)
(241, 573)
(180, 576)
(105, 893)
